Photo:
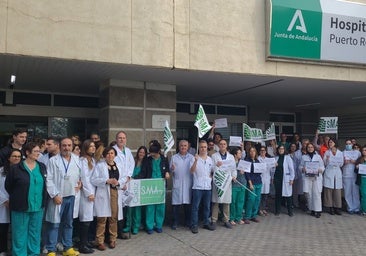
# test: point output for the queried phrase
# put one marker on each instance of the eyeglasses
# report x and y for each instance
(36, 151)
(16, 156)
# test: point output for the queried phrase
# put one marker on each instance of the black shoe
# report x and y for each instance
(317, 215)
(85, 250)
(331, 211)
(291, 214)
(228, 225)
(337, 211)
(210, 227)
(194, 229)
(312, 213)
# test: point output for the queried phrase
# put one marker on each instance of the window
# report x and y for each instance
(76, 101)
(32, 99)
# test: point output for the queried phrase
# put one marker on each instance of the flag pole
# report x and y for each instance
(246, 188)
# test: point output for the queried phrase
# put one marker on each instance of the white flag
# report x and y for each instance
(168, 138)
(201, 122)
(252, 134)
(270, 133)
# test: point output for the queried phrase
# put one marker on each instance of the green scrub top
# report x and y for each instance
(156, 172)
(35, 192)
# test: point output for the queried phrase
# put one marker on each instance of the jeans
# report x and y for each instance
(198, 196)
(66, 216)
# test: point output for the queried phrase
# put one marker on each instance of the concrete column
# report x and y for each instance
(138, 108)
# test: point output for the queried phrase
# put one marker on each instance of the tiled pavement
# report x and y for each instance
(282, 235)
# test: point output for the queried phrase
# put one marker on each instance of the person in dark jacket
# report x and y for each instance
(19, 137)
(155, 166)
(26, 185)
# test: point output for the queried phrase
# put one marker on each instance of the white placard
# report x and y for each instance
(270, 161)
(235, 141)
(244, 166)
(221, 123)
(260, 167)
(350, 154)
(335, 161)
(312, 167)
(362, 169)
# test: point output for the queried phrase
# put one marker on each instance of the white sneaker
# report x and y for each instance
(44, 250)
(60, 247)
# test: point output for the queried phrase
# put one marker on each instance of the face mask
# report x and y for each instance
(348, 147)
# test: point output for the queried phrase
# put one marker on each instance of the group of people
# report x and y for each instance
(43, 193)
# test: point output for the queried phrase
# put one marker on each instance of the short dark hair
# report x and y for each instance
(30, 146)
(56, 140)
(155, 147)
(107, 149)
(18, 131)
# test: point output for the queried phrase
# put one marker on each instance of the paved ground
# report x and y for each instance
(274, 235)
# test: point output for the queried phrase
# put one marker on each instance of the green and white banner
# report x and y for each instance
(256, 135)
(201, 122)
(221, 181)
(328, 125)
(168, 138)
(318, 30)
(146, 192)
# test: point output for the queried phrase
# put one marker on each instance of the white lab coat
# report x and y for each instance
(56, 184)
(4, 196)
(313, 186)
(230, 166)
(102, 203)
(125, 160)
(86, 210)
(333, 174)
(317, 179)
(266, 176)
(182, 179)
(288, 174)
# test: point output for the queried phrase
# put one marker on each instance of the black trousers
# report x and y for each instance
(4, 231)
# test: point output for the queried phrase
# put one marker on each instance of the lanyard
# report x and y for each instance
(66, 166)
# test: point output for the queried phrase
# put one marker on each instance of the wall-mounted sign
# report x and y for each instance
(317, 30)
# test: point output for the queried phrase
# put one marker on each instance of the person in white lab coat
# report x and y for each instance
(351, 189)
(333, 161)
(87, 194)
(63, 182)
(109, 181)
(223, 161)
(14, 158)
(313, 179)
(182, 184)
(266, 180)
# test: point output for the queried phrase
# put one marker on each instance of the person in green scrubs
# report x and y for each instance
(26, 185)
(155, 166)
(361, 179)
(133, 219)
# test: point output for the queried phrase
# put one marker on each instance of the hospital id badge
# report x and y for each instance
(66, 177)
